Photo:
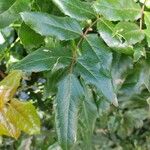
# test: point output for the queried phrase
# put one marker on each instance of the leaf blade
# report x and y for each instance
(75, 9)
(63, 28)
(117, 10)
(95, 53)
(67, 104)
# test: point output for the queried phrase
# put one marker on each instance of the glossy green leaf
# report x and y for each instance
(94, 65)
(87, 118)
(76, 9)
(106, 30)
(147, 33)
(67, 103)
(44, 59)
(129, 31)
(147, 30)
(118, 10)
(11, 13)
(53, 77)
(29, 38)
(63, 28)
(120, 67)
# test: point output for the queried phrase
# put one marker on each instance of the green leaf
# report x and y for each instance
(63, 28)
(67, 103)
(147, 33)
(147, 30)
(44, 59)
(55, 146)
(118, 10)
(120, 69)
(87, 118)
(11, 13)
(29, 38)
(138, 79)
(4, 5)
(94, 65)
(76, 9)
(139, 51)
(52, 78)
(129, 31)
(106, 30)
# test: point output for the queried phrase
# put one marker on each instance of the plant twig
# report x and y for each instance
(2, 74)
(86, 32)
(74, 58)
(142, 13)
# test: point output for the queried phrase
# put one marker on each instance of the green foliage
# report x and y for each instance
(86, 69)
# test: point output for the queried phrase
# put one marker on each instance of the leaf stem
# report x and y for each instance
(142, 13)
(86, 32)
(74, 58)
(2, 74)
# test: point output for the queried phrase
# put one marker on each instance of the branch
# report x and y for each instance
(74, 58)
(142, 13)
(2, 74)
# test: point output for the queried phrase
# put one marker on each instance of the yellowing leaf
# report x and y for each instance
(8, 86)
(23, 115)
(16, 116)
(6, 127)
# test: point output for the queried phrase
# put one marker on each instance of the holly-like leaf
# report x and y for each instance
(94, 65)
(10, 14)
(70, 92)
(76, 9)
(63, 28)
(44, 59)
(106, 30)
(118, 10)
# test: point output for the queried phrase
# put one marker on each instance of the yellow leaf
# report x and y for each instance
(8, 86)
(6, 127)
(16, 116)
(23, 115)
